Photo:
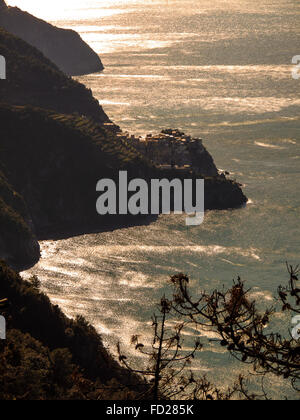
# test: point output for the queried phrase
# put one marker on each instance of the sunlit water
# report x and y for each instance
(216, 69)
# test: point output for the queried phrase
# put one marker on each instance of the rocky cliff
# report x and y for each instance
(63, 47)
(172, 147)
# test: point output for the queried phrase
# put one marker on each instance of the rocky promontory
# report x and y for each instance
(173, 148)
(63, 47)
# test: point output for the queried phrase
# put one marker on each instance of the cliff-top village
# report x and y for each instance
(168, 149)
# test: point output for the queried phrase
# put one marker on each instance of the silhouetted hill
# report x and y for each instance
(32, 79)
(64, 47)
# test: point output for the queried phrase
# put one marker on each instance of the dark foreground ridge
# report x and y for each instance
(64, 47)
(48, 356)
(56, 144)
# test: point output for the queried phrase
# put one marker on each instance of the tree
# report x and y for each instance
(242, 328)
(167, 373)
(167, 364)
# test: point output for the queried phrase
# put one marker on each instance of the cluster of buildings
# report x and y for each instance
(170, 148)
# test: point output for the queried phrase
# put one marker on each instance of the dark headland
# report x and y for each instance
(63, 47)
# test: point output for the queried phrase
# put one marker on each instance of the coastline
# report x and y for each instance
(66, 232)
(88, 282)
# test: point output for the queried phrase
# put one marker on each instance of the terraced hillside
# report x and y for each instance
(54, 161)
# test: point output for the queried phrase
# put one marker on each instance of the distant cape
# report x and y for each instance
(63, 47)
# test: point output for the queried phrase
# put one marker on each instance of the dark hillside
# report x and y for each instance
(62, 46)
(48, 356)
(58, 163)
(34, 80)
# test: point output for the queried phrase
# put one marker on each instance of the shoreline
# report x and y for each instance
(59, 234)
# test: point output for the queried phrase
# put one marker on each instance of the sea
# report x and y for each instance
(216, 69)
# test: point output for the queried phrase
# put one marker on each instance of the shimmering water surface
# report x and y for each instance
(217, 69)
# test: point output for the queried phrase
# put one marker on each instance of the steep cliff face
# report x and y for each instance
(201, 160)
(64, 47)
(34, 80)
